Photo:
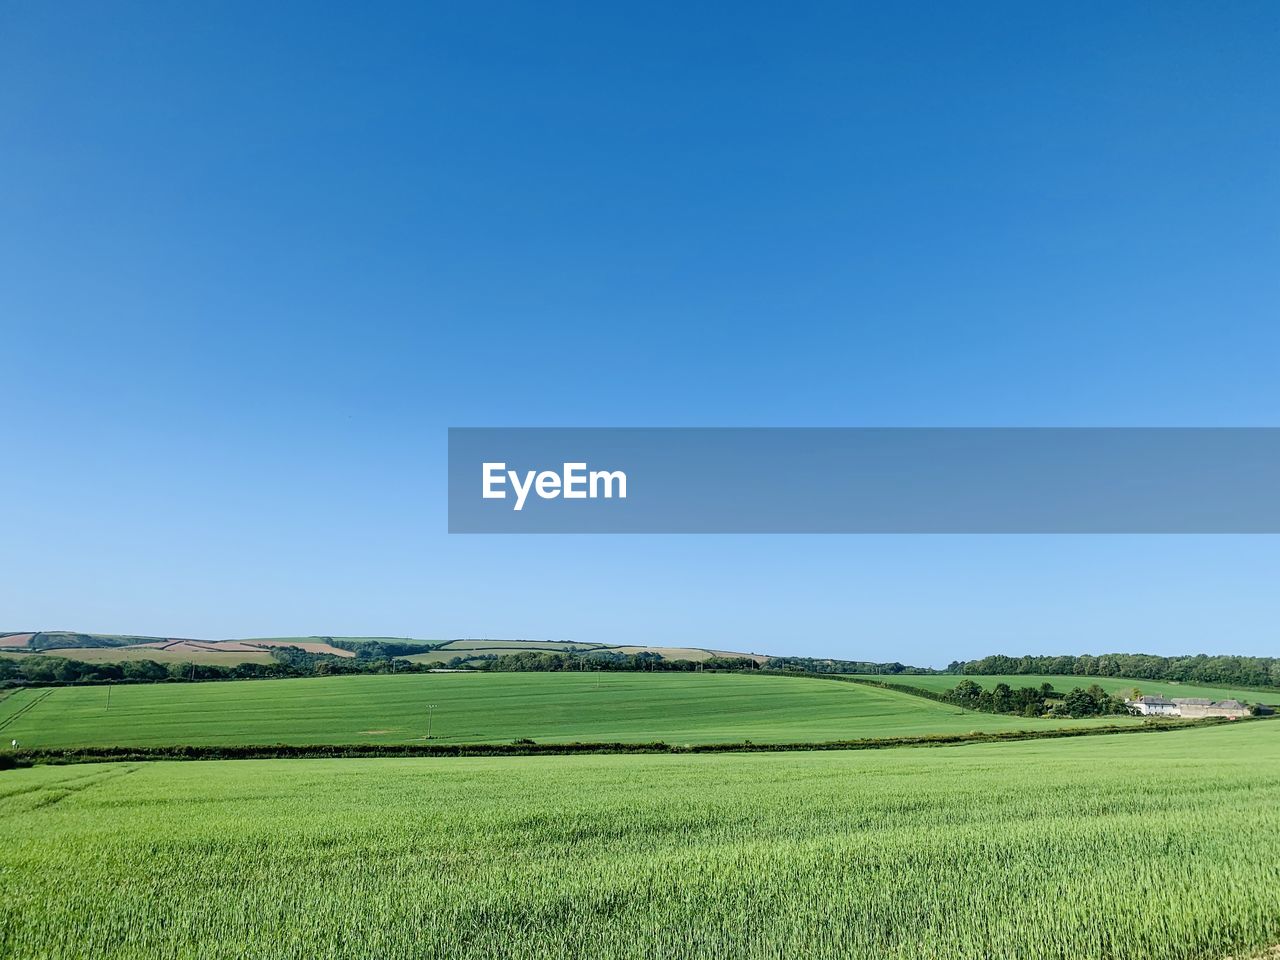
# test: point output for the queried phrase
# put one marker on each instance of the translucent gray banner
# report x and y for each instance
(864, 480)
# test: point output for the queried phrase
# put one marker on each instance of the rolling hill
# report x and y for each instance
(97, 647)
(488, 708)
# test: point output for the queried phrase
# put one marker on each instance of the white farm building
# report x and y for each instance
(1186, 707)
(1154, 707)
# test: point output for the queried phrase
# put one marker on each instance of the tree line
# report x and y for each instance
(555, 661)
(1041, 701)
(371, 658)
(827, 665)
(1201, 668)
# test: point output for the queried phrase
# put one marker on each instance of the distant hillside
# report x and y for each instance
(99, 648)
(1213, 670)
(470, 652)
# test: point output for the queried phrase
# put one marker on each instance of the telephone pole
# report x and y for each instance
(431, 713)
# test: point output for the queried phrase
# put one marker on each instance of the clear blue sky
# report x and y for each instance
(255, 259)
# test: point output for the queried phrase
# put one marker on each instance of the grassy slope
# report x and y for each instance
(1110, 684)
(448, 649)
(476, 648)
(477, 708)
(458, 646)
(227, 658)
(1054, 850)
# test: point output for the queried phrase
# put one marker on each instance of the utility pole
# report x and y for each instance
(431, 713)
(108, 696)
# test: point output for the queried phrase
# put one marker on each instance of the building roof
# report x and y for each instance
(1156, 701)
(1192, 701)
(1230, 705)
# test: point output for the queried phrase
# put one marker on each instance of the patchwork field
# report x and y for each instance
(1164, 847)
(471, 649)
(940, 682)
(112, 648)
(225, 658)
(487, 708)
(102, 648)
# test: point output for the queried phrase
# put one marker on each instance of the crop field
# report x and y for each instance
(940, 682)
(112, 648)
(1164, 846)
(227, 658)
(488, 708)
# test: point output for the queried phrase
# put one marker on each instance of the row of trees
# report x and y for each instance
(1202, 668)
(1035, 701)
(818, 665)
(379, 649)
(296, 662)
(555, 661)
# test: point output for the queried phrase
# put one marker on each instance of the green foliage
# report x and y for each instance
(1202, 668)
(1050, 686)
(379, 649)
(554, 661)
(823, 665)
(1034, 701)
(1053, 850)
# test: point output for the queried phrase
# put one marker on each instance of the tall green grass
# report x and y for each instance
(487, 708)
(1163, 848)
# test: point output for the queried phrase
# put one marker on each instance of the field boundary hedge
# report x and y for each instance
(24, 758)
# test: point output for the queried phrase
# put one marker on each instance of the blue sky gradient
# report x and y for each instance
(254, 261)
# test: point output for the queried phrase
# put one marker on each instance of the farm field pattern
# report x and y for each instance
(1165, 847)
(489, 708)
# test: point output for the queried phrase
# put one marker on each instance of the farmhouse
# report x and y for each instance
(1153, 707)
(1186, 707)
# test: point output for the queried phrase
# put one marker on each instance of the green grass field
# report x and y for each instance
(940, 682)
(487, 708)
(1164, 847)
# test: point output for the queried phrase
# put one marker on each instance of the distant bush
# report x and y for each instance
(379, 649)
(826, 665)
(1035, 701)
(555, 661)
